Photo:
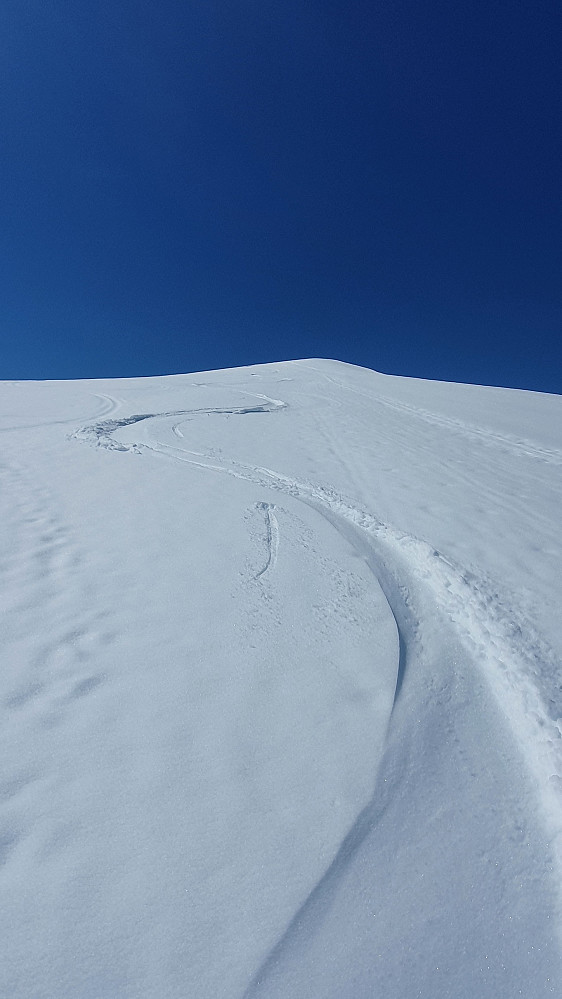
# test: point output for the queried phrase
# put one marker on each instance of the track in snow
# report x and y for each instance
(471, 431)
(271, 537)
(420, 585)
(109, 405)
(100, 434)
(493, 635)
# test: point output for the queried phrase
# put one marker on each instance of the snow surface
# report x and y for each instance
(280, 698)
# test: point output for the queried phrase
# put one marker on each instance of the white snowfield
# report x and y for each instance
(281, 688)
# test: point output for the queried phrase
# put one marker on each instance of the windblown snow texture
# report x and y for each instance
(280, 706)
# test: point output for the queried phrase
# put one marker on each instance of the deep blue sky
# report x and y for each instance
(190, 184)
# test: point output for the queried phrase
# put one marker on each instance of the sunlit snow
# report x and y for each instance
(281, 692)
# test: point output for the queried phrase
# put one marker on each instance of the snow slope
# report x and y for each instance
(281, 698)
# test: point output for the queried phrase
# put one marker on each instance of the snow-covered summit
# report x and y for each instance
(281, 696)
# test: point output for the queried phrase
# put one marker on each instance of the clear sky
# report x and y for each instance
(191, 184)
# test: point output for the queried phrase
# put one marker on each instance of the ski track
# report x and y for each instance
(505, 648)
(505, 645)
(271, 538)
(501, 643)
(109, 405)
(472, 431)
(99, 434)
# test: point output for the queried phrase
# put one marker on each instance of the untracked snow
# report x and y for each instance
(281, 688)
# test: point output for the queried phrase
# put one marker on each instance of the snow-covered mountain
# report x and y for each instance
(281, 692)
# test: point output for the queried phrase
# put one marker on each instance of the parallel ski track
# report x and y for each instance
(109, 405)
(482, 435)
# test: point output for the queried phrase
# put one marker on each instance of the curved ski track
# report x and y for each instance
(109, 405)
(411, 573)
(271, 537)
(99, 434)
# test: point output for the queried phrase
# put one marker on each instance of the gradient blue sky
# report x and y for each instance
(191, 184)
